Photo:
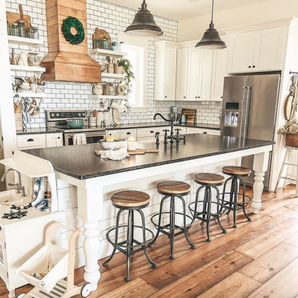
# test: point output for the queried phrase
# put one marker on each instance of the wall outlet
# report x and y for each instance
(67, 204)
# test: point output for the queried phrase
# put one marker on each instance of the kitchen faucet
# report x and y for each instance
(171, 137)
(18, 185)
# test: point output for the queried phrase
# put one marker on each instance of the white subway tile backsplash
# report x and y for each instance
(114, 19)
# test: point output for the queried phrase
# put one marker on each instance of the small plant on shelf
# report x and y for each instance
(129, 76)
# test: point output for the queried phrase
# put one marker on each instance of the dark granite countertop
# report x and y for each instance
(38, 131)
(122, 126)
(81, 162)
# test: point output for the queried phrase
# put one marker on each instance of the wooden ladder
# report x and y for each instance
(286, 163)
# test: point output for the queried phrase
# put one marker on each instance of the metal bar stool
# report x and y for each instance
(208, 181)
(173, 190)
(131, 201)
(233, 203)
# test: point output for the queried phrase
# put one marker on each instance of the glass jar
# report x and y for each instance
(22, 29)
(105, 43)
(8, 29)
(96, 43)
(114, 46)
(15, 29)
(121, 46)
(33, 33)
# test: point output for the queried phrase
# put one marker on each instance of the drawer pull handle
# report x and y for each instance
(30, 140)
(128, 133)
(151, 131)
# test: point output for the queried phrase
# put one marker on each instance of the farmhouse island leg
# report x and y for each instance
(260, 167)
(90, 206)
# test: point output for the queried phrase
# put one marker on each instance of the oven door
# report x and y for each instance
(91, 137)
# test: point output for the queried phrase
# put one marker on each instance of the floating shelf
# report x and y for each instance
(107, 97)
(102, 52)
(24, 41)
(29, 94)
(27, 68)
(112, 75)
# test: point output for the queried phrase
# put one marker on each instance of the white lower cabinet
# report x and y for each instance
(54, 139)
(208, 131)
(148, 133)
(35, 141)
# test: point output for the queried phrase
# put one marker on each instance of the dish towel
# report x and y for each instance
(79, 139)
(119, 154)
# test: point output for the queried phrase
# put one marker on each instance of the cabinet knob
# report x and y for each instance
(165, 96)
(253, 66)
(58, 138)
(199, 96)
(249, 66)
(221, 97)
(183, 96)
(196, 97)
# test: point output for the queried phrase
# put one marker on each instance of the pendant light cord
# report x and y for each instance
(212, 9)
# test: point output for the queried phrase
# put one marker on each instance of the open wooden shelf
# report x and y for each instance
(107, 97)
(24, 41)
(29, 94)
(112, 75)
(102, 52)
(27, 68)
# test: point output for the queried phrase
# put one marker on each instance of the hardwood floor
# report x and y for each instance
(258, 259)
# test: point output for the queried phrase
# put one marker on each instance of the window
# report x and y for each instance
(136, 49)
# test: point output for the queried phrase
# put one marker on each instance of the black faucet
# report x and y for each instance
(171, 137)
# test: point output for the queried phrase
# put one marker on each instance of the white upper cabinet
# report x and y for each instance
(195, 74)
(165, 71)
(206, 75)
(255, 51)
(182, 73)
(219, 71)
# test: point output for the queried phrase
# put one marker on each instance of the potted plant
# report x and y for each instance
(290, 130)
(129, 76)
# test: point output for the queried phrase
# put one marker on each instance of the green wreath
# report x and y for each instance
(67, 25)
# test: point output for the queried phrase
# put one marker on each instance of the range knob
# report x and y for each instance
(57, 115)
(79, 114)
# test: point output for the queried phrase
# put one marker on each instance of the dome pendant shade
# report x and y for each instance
(144, 24)
(211, 39)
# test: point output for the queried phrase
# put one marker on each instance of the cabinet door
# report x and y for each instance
(269, 48)
(219, 72)
(182, 72)
(169, 74)
(54, 139)
(240, 52)
(206, 75)
(194, 74)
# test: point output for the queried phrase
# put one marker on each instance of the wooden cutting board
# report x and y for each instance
(190, 115)
(136, 152)
(142, 151)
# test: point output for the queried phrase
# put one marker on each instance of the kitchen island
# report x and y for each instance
(96, 179)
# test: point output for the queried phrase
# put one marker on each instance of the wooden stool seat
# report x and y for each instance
(209, 179)
(130, 198)
(234, 170)
(173, 187)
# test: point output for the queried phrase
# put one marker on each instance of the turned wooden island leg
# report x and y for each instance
(90, 206)
(260, 167)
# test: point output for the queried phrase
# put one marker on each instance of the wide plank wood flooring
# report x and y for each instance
(258, 259)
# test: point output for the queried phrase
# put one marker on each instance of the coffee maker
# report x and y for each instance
(174, 115)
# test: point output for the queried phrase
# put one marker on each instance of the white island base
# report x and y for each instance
(97, 214)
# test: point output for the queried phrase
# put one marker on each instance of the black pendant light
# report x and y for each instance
(211, 39)
(144, 24)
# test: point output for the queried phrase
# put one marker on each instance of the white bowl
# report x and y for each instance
(115, 145)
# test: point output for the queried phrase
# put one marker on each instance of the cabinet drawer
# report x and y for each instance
(203, 131)
(150, 131)
(31, 141)
(54, 139)
(113, 132)
(126, 133)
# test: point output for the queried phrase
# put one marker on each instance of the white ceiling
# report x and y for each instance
(185, 9)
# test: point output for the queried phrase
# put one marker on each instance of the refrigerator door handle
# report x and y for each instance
(242, 112)
(246, 111)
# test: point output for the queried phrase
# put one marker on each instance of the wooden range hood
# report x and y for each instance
(67, 62)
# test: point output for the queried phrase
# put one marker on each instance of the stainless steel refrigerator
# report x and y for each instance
(249, 111)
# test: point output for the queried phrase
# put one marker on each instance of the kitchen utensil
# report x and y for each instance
(22, 19)
(75, 123)
(115, 145)
(33, 87)
(142, 151)
(12, 60)
(111, 68)
(108, 59)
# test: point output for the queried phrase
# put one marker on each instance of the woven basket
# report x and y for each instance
(292, 140)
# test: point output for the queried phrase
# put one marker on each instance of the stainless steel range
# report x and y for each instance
(58, 119)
